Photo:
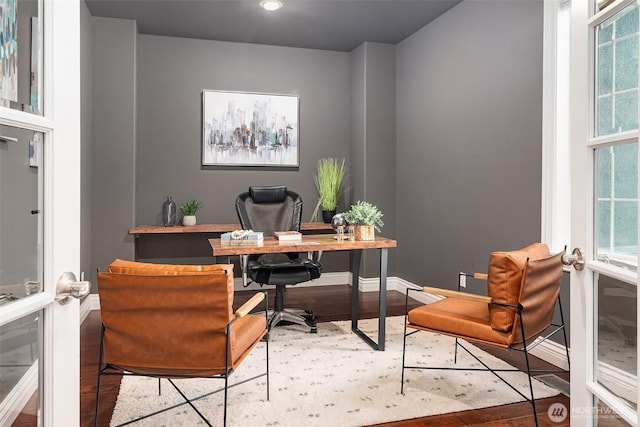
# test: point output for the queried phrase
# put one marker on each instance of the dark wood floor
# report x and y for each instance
(328, 303)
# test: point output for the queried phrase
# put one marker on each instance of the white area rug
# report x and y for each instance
(331, 378)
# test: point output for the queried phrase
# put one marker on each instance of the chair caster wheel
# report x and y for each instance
(310, 320)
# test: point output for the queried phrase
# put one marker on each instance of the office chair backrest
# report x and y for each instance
(161, 322)
(269, 209)
(504, 282)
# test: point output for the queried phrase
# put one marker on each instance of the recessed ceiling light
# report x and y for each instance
(271, 5)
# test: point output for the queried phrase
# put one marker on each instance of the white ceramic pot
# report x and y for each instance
(189, 220)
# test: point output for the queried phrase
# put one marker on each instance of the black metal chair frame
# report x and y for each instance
(108, 369)
(524, 348)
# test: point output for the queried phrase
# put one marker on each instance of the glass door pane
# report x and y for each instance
(615, 215)
(617, 328)
(617, 205)
(21, 273)
(21, 370)
(21, 249)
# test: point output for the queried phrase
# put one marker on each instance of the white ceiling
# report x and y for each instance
(339, 25)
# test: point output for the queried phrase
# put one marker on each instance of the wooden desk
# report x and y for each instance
(326, 242)
(152, 242)
(213, 228)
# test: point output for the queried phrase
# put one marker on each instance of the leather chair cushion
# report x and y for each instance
(505, 280)
(246, 332)
(458, 317)
(173, 325)
(135, 267)
(120, 266)
(539, 295)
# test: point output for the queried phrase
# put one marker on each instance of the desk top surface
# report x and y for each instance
(213, 228)
(310, 242)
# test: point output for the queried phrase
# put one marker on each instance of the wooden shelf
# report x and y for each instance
(212, 228)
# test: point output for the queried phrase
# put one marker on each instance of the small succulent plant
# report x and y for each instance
(190, 208)
(364, 213)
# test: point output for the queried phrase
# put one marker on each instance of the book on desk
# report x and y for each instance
(287, 236)
(242, 238)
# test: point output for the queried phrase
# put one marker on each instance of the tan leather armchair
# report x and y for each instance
(175, 321)
(523, 287)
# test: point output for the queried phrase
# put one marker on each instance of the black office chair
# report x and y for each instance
(270, 209)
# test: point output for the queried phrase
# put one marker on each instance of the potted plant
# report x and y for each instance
(189, 210)
(328, 180)
(366, 218)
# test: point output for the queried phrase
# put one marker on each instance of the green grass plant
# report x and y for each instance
(328, 180)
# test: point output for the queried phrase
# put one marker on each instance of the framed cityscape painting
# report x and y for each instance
(249, 129)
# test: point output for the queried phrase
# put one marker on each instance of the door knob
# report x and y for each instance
(575, 258)
(68, 287)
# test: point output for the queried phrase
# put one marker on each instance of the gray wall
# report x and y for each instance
(173, 73)
(113, 149)
(373, 148)
(469, 139)
(436, 130)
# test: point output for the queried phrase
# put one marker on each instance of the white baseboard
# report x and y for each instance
(548, 351)
(90, 303)
(553, 353)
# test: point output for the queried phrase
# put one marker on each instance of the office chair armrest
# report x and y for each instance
(250, 305)
(455, 294)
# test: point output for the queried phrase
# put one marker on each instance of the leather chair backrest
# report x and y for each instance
(538, 296)
(135, 267)
(166, 319)
(505, 281)
(269, 209)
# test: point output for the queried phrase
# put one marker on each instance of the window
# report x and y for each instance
(616, 113)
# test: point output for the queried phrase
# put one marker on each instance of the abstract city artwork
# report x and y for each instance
(249, 129)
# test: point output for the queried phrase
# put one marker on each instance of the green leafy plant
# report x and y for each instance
(190, 208)
(328, 180)
(364, 213)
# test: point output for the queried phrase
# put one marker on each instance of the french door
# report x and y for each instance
(39, 211)
(604, 211)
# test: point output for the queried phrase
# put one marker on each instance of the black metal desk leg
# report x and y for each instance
(382, 303)
(356, 256)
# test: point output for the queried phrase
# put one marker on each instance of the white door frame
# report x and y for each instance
(61, 163)
(584, 387)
